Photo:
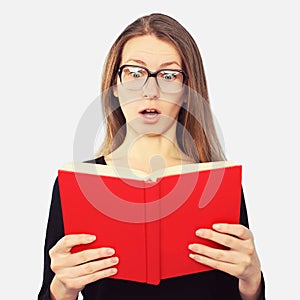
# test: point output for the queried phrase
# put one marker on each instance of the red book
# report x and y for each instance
(149, 219)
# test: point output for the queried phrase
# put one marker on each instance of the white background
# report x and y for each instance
(51, 60)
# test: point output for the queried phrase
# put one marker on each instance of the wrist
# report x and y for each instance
(58, 291)
(250, 288)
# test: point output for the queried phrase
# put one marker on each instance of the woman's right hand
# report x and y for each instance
(73, 271)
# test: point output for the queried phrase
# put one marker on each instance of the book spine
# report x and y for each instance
(152, 228)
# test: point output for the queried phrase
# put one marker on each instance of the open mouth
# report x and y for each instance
(150, 113)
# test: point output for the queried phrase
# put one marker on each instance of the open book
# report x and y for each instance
(149, 219)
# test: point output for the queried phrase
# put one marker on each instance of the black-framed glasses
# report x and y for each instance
(135, 77)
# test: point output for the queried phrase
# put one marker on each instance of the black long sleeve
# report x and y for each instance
(54, 232)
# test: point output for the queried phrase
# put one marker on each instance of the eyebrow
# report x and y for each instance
(166, 64)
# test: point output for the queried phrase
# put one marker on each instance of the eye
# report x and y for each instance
(134, 72)
(168, 75)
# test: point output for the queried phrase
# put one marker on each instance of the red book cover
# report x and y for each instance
(149, 219)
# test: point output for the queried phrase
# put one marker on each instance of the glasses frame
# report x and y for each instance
(151, 74)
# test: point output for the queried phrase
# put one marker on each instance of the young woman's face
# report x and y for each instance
(150, 105)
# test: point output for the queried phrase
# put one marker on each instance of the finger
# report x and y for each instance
(93, 267)
(220, 238)
(65, 244)
(86, 279)
(215, 264)
(216, 254)
(237, 230)
(79, 282)
(90, 255)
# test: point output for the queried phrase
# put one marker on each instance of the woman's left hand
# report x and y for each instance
(239, 260)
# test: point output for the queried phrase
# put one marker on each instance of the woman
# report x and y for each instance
(156, 104)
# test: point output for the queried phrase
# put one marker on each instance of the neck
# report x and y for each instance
(149, 146)
(148, 152)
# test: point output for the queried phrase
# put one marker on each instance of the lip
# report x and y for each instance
(150, 108)
(152, 120)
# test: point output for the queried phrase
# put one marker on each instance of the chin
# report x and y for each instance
(156, 131)
(161, 128)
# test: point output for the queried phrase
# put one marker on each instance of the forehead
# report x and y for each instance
(151, 50)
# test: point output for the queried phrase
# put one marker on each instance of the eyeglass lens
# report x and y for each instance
(134, 78)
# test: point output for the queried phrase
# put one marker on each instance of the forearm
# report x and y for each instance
(58, 291)
(251, 290)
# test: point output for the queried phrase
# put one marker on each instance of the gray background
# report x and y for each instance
(51, 60)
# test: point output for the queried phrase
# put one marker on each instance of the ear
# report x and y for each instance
(115, 91)
(184, 96)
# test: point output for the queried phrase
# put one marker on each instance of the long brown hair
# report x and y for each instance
(196, 134)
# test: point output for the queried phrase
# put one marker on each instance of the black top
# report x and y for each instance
(210, 285)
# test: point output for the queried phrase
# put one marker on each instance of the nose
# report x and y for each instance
(151, 89)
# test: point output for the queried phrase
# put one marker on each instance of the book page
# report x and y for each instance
(189, 168)
(105, 170)
(121, 172)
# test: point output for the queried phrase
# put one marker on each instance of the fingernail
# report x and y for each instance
(200, 232)
(216, 226)
(91, 238)
(110, 251)
(113, 270)
(191, 246)
(114, 260)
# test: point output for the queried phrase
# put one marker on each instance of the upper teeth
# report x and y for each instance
(150, 110)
